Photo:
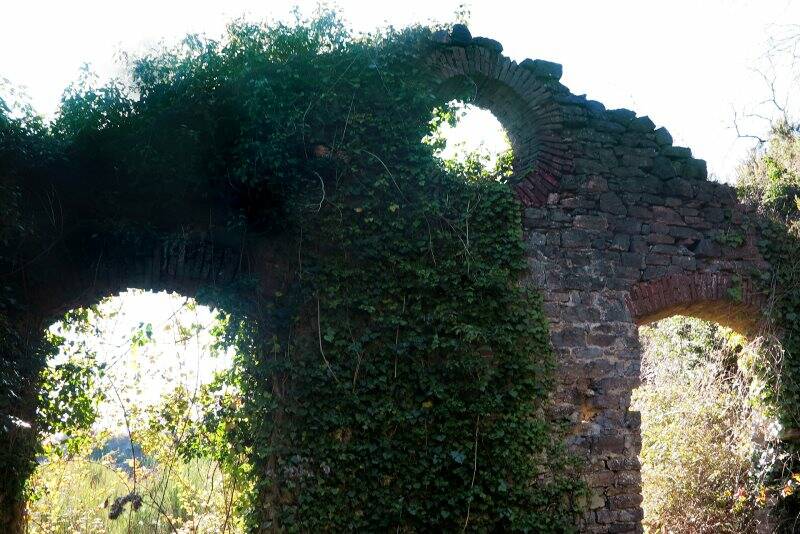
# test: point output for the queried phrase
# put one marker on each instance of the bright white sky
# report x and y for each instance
(179, 353)
(685, 63)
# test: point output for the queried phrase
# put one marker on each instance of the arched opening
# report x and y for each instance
(524, 98)
(706, 431)
(484, 108)
(706, 423)
(131, 419)
(466, 135)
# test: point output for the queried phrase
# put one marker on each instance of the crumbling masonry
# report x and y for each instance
(622, 228)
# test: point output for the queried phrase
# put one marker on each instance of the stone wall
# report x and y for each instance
(622, 228)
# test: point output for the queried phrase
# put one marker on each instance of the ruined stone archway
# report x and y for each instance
(621, 228)
(521, 96)
(716, 297)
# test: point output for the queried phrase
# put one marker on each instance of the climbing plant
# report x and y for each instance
(25, 150)
(771, 180)
(399, 379)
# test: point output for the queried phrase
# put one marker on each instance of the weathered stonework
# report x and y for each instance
(622, 228)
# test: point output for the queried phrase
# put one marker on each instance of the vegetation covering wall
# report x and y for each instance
(771, 180)
(395, 378)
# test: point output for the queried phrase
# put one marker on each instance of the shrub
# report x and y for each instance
(697, 427)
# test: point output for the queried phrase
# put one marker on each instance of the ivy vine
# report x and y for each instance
(771, 181)
(400, 380)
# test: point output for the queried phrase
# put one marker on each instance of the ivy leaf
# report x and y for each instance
(457, 456)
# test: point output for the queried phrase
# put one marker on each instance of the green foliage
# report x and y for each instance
(735, 292)
(772, 180)
(66, 402)
(183, 496)
(19, 365)
(428, 374)
(697, 427)
(149, 452)
(399, 381)
(699, 411)
(469, 163)
(25, 149)
(781, 247)
(731, 238)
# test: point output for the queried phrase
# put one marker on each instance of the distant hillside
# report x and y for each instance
(119, 447)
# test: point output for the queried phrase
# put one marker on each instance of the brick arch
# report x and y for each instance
(724, 298)
(191, 267)
(632, 231)
(525, 97)
(181, 267)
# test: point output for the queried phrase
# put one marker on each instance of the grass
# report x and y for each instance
(75, 496)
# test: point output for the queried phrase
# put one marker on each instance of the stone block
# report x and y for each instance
(597, 500)
(657, 259)
(707, 248)
(588, 166)
(487, 43)
(683, 232)
(624, 463)
(653, 272)
(633, 160)
(620, 242)
(663, 136)
(660, 238)
(460, 35)
(685, 262)
(611, 203)
(663, 168)
(576, 238)
(591, 222)
(642, 124)
(543, 69)
(664, 249)
(625, 501)
(667, 215)
(606, 126)
(639, 245)
(624, 528)
(622, 116)
(609, 443)
(536, 239)
(676, 152)
(596, 184)
(695, 168)
(680, 187)
(600, 479)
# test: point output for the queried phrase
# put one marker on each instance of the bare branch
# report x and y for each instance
(322, 352)
(740, 135)
(322, 184)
